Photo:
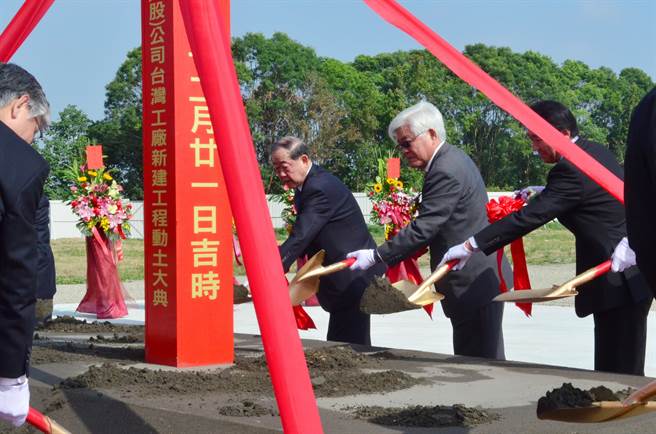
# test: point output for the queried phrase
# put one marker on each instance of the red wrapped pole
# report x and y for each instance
(210, 46)
(470, 73)
(26, 19)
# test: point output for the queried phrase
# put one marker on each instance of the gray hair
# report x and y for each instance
(420, 117)
(16, 82)
(294, 145)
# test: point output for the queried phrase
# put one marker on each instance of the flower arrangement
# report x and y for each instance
(96, 198)
(394, 206)
(288, 213)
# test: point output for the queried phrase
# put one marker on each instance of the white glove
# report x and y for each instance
(528, 192)
(14, 400)
(623, 256)
(461, 252)
(364, 259)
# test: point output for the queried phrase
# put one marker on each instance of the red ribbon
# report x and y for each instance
(303, 320)
(25, 20)
(472, 74)
(496, 210)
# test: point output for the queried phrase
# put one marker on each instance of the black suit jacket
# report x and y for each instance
(329, 218)
(22, 175)
(45, 287)
(640, 185)
(594, 217)
(452, 207)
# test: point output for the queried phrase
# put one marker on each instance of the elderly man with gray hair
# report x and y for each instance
(453, 200)
(24, 111)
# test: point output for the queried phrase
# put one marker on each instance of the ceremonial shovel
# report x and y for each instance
(306, 282)
(43, 423)
(602, 411)
(567, 289)
(301, 290)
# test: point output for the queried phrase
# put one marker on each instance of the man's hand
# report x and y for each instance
(364, 259)
(14, 400)
(623, 256)
(461, 251)
(528, 192)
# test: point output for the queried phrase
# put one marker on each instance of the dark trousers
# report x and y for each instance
(620, 339)
(349, 325)
(480, 334)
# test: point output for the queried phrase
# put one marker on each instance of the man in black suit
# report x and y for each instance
(619, 302)
(24, 110)
(453, 201)
(328, 218)
(639, 192)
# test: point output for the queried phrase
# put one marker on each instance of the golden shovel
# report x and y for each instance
(425, 293)
(567, 289)
(604, 411)
(306, 281)
(414, 296)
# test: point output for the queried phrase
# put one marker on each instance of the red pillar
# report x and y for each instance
(188, 224)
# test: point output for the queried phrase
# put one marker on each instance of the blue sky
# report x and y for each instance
(78, 46)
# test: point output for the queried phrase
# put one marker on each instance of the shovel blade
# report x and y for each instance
(300, 291)
(533, 295)
(601, 411)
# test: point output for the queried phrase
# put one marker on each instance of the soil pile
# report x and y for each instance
(116, 338)
(456, 415)
(67, 352)
(568, 396)
(240, 294)
(380, 297)
(246, 409)
(68, 324)
(335, 371)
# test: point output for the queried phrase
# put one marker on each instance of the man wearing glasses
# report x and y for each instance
(453, 203)
(24, 110)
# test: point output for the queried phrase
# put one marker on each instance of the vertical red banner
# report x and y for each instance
(188, 224)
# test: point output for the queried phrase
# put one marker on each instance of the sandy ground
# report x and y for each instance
(93, 379)
(104, 387)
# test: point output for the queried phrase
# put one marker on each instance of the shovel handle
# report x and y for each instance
(642, 394)
(43, 423)
(337, 266)
(585, 277)
(436, 276)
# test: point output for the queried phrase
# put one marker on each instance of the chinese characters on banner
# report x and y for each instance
(188, 250)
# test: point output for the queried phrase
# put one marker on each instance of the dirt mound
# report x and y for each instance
(456, 415)
(116, 338)
(323, 359)
(344, 383)
(67, 352)
(568, 396)
(335, 371)
(246, 409)
(68, 324)
(380, 297)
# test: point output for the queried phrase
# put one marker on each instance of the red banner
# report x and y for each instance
(469, 72)
(188, 224)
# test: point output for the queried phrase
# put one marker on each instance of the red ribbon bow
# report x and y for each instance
(496, 210)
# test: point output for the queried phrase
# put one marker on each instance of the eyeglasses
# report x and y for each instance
(405, 144)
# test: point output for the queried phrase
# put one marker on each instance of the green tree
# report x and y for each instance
(120, 132)
(64, 142)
